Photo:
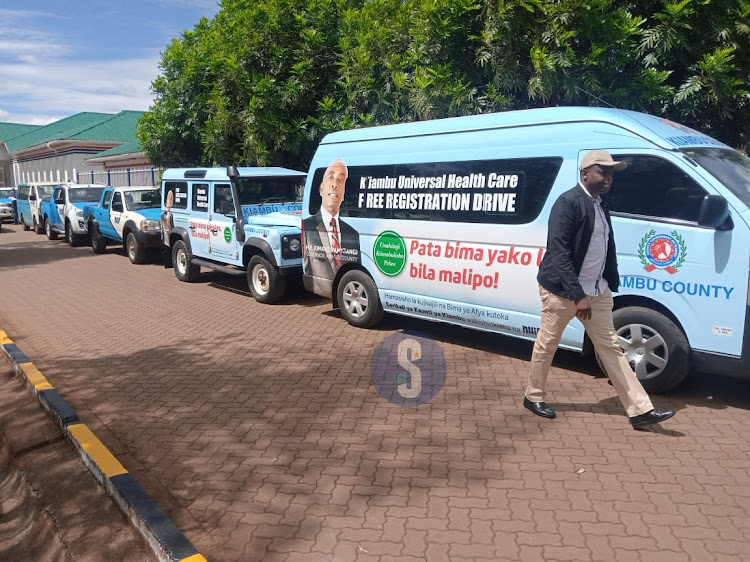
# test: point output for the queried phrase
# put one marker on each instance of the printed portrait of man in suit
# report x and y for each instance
(167, 224)
(329, 241)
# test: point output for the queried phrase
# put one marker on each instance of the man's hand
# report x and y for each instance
(583, 308)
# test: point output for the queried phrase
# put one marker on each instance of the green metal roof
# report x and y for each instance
(127, 148)
(81, 126)
(11, 130)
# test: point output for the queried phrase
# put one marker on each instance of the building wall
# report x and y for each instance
(63, 167)
(71, 167)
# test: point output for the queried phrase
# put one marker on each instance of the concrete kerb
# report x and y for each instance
(166, 541)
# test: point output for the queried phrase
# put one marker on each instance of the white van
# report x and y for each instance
(447, 220)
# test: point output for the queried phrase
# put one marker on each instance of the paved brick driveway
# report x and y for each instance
(257, 429)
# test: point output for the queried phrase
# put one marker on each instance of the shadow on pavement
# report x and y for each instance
(47, 251)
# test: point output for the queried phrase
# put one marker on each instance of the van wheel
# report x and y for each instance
(182, 260)
(38, 227)
(98, 243)
(51, 234)
(265, 283)
(25, 226)
(136, 254)
(359, 300)
(655, 347)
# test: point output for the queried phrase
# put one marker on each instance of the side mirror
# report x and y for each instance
(117, 206)
(32, 197)
(714, 213)
(60, 201)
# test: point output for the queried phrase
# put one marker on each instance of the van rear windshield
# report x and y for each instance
(728, 166)
(274, 189)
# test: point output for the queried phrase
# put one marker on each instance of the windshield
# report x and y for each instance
(84, 194)
(277, 189)
(45, 191)
(728, 166)
(5, 193)
(145, 199)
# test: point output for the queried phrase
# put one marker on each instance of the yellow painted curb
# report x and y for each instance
(105, 460)
(4, 338)
(35, 376)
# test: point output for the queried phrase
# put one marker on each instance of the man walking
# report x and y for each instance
(576, 278)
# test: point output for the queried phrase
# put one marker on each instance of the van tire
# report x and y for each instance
(25, 226)
(359, 300)
(51, 234)
(182, 261)
(636, 328)
(136, 253)
(264, 281)
(38, 228)
(98, 243)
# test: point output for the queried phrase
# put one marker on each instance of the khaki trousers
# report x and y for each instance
(557, 311)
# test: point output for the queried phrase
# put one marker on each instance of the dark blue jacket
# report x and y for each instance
(571, 224)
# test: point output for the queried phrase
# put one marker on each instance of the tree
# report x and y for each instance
(264, 81)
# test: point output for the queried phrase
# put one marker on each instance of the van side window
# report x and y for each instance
(223, 203)
(200, 197)
(180, 189)
(510, 191)
(653, 187)
(107, 199)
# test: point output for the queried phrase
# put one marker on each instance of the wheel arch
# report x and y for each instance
(346, 268)
(180, 233)
(255, 247)
(129, 227)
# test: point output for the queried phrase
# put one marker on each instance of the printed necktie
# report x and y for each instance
(335, 245)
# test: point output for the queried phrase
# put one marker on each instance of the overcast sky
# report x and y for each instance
(58, 58)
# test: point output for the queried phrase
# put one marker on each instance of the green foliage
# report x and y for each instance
(262, 82)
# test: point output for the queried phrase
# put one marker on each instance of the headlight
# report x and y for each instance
(150, 226)
(79, 213)
(291, 247)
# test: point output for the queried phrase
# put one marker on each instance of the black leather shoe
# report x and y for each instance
(539, 408)
(654, 416)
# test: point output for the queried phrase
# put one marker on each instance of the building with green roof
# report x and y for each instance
(86, 148)
(10, 131)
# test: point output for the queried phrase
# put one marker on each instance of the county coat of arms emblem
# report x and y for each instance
(662, 251)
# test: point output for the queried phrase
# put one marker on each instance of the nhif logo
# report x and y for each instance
(408, 369)
(662, 251)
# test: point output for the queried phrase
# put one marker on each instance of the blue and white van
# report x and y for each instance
(241, 221)
(29, 202)
(450, 220)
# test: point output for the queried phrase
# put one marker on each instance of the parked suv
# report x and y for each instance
(242, 221)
